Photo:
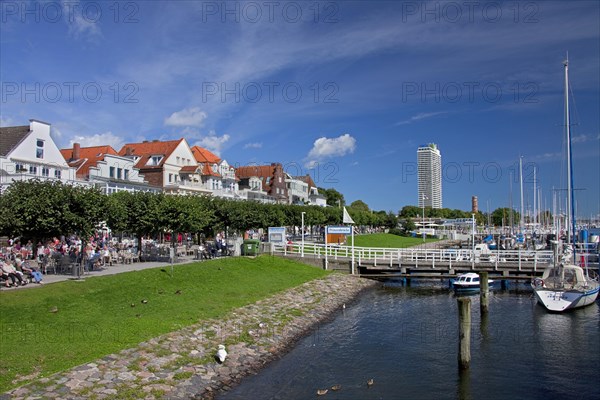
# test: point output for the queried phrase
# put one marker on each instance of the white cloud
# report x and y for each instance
(99, 139)
(419, 117)
(254, 145)
(583, 138)
(330, 147)
(213, 143)
(192, 116)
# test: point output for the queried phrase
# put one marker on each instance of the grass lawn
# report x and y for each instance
(58, 326)
(387, 240)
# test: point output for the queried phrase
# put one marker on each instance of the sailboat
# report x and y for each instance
(564, 285)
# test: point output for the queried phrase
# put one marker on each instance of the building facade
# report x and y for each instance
(429, 167)
(29, 152)
(102, 167)
(272, 178)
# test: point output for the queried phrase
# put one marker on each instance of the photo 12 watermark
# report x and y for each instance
(89, 12)
(270, 92)
(68, 92)
(470, 92)
(461, 12)
(475, 171)
(252, 12)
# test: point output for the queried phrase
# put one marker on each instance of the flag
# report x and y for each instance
(347, 219)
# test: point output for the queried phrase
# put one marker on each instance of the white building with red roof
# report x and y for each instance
(169, 165)
(29, 152)
(217, 175)
(103, 167)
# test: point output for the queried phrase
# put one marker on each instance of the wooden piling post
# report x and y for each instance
(464, 332)
(484, 292)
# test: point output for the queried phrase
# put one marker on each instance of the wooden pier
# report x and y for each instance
(424, 263)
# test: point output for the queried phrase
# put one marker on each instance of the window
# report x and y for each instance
(20, 168)
(170, 178)
(126, 175)
(119, 173)
(154, 160)
(45, 171)
(279, 179)
(57, 173)
(39, 150)
(178, 160)
(33, 170)
(111, 172)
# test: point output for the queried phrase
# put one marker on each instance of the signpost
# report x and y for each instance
(277, 234)
(339, 230)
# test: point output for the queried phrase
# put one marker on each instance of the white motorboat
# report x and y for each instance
(468, 282)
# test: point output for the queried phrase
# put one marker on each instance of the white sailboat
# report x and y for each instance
(564, 285)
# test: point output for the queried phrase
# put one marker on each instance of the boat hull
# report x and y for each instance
(562, 300)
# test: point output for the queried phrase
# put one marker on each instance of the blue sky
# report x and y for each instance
(345, 91)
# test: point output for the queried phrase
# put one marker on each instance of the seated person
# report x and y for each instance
(93, 261)
(205, 252)
(28, 270)
(14, 275)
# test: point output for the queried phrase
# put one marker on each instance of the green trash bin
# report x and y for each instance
(250, 247)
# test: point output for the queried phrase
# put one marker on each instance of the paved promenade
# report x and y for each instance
(107, 270)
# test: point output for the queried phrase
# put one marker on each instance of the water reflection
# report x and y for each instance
(405, 338)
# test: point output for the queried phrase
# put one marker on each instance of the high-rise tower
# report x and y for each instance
(429, 165)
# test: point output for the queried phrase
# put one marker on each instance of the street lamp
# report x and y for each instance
(302, 232)
(473, 241)
(423, 220)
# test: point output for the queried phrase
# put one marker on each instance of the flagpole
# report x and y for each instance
(352, 249)
(326, 261)
(347, 219)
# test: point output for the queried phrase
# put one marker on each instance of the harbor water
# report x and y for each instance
(405, 339)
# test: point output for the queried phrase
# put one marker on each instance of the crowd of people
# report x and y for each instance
(22, 263)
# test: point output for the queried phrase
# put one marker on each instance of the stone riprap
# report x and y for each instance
(181, 364)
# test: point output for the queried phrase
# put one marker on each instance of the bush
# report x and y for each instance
(396, 231)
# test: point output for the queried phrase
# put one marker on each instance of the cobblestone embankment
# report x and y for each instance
(181, 364)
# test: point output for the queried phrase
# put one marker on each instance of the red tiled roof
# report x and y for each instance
(306, 178)
(208, 171)
(147, 149)
(204, 156)
(261, 171)
(189, 168)
(88, 157)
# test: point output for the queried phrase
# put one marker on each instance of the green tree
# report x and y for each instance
(501, 216)
(408, 226)
(40, 210)
(359, 205)
(334, 198)
(410, 212)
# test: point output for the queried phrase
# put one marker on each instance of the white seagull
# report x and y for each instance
(221, 354)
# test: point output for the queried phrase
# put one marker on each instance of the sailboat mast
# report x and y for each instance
(511, 222)
(521, 182)
(570, 194)
(534, 199)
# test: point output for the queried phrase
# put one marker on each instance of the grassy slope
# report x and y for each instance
(96, 317)
(387, 240)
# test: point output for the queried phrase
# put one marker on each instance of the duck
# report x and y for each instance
(321, 392)
(336, 387)
(370, 382)
(221, 354)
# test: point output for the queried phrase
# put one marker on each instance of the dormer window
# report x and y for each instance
(154, 160)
